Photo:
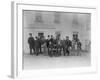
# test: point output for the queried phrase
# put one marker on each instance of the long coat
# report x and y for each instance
(68, 43)
(31, 42)
(37, 43)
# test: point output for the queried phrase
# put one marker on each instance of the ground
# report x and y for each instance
(46, 62)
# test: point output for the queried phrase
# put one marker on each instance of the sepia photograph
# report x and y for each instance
(56, 39)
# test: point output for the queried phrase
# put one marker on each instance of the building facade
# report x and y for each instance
(50, 23)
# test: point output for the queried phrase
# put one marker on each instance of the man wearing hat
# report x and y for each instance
(31, 43)
(68, 45)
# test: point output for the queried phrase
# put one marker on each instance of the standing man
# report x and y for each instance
(44, 45)
(37, 46)
(51, 39)
(68, 45)
(39, 43)
(64, 46)
(48, 43)
(31, 43)
(79, 48)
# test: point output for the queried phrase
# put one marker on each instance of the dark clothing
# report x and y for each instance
(51, 40)
(47, 42)
(31, 41)
(63, 46)
(38, 46)
(31, 44)
(67, 46)
(37, 43)
(68, 43)
(79, 45)
(55, 42)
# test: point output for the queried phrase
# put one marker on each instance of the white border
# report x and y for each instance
(17, 40)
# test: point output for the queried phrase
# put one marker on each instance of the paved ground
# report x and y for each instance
(46, 62)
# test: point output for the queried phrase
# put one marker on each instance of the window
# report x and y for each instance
(57, 17)
(38, 17)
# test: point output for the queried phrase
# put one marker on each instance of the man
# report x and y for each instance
(63, 46)
(31, 43)
(53, 47)
(51, 39)
(59, 47)
(40, 43)
(68, 45)
(48, 43)
(79, 47)
(37, 45)
(48, 40)
(44, 46)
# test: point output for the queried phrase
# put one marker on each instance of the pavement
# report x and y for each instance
(46, 62)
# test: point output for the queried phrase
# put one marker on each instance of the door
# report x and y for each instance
(41, 34)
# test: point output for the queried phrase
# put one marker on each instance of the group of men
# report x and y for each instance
(34, 44)
(53, 45)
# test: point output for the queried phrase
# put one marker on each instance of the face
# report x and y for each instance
(30, 35)
(51, 36)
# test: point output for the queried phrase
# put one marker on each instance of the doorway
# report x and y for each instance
(41, 34)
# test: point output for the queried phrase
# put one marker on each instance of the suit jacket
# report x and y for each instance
(68, 43)
(31, 41)
(47, 42)
(37, 43)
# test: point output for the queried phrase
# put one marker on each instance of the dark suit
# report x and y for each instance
(40, 43)
(31, 44)
(37, 45)
(79, 45)
(63, 46)
(67, 46)
(51, 40)
(47, 43)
